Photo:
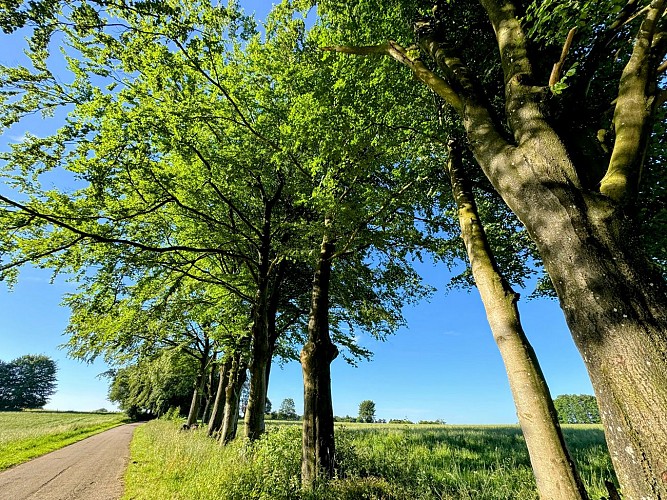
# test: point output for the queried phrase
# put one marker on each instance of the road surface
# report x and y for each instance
(91, 469)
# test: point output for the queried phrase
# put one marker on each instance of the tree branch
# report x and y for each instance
(107, 239)
(392, 49)
(600, 50)
(37, 256)
(633, 112)
(557, 70)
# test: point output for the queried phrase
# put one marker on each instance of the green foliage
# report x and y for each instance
(367, 411)
(486, 463)
(180, 156)
(26, 435)
(152, 387)
(577, 409)
(27, 382)
(287, 410)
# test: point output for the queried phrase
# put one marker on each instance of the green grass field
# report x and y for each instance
(29, 434)
(375, 462)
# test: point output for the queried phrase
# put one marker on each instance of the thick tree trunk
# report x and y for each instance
(215, 422)
(555, 472)
(615, 302)
(318, 447)
(254, 415)
(615, 305)
(237, 376)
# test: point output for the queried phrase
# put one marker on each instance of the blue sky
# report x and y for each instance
(444, 365)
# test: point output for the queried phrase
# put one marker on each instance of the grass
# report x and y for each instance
(375, 462)
(28, 434)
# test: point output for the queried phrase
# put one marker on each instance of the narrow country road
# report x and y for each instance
(91, 469)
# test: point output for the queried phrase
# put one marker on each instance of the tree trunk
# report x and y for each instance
(555, 472)
(197, 392)
(194, 404)
(237, 376)
(254, 415)
(215, 422)
(206, 412)
(614, 300)
(318, 446)
(615, 305)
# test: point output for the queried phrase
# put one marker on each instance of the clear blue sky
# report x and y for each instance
(445, 365)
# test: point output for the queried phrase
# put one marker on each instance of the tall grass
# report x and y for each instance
(29, 434)
(375, 462)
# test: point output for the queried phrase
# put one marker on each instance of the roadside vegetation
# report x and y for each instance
(376, 461)
(28, 434)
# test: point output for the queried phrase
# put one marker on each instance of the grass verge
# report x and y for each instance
(375, 462)
(28, 434)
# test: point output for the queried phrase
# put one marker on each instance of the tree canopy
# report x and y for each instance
(27, 382)
(577, 409)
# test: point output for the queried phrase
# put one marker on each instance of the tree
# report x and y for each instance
(577, 409)
(152, 386)
(574, 158)
(554, 469)
(27, 382)
(367, 411)
(268, 406)
(287, 410)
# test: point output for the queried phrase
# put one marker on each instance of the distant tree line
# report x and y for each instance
(26, 382)
(577, 409)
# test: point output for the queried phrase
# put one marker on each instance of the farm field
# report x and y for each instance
(28, 434)
(377, 461)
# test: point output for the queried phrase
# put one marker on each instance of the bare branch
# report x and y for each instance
(557, 70)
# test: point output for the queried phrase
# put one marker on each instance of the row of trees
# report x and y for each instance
(240, 194)
(27, 382)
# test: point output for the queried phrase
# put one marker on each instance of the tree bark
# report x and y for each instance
(614, 299)
(215, 422)
(318, 446)
(254, 415)
(198, 391)
(210, 394)
(237, 376)
(615, 305)
(555, 473)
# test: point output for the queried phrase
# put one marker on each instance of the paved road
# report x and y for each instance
(91, 469)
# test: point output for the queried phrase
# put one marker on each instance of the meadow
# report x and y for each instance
(376, 461)
(28, 434)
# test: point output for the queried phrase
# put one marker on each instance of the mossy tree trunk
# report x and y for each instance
(200, 384)
(554, 469)
(318, 446)
(215, 422)
(235, 381)
(260, 348)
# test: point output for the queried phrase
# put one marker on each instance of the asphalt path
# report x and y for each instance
(91, 469)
